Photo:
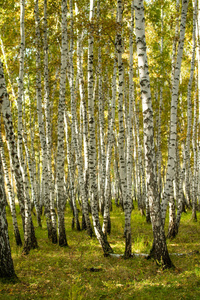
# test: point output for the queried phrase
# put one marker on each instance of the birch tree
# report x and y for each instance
(122, 158)
(27, 201)
(81, 161)
(159, 250)
(168, 190)
(48, 127)
(12, 148)
(189, 116)
(74, 117)
(106, 214)
(43, 142)
(6, 262)
(194, 146)
(60, 143)
(92, 141)
(11, 195)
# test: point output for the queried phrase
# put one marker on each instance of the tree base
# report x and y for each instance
(54, 237)
(9, 278)
(26, 248)
(84, 227)
(109, 226)
(63, 240)
(18, 239)
(162, 258)
(128, 252)
(148, 219)
(194, 215)
(78, 227)
(172, 231)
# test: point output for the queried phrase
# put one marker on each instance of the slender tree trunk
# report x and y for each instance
(159, 152)
(30, 153)
(82, 178)
(141, 186)
(189, 110)
(6, 262)
(33, 187)
(106, 215)
(159, 250)
(83, 163)
(128, 201)
(71, 171)
(168, 190)
(48, 128)
(92, 142)
(60, 143)
(122, 166)
(11, 196)
(7, 69)
(12, 147)
(198, 88)
(195, 171)
(74, 118)
(42, 135)
(29, 233)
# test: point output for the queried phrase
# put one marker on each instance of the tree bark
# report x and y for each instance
(6, 262)
(92, 142)
(168, 190)
(60, 144)
(159, 250)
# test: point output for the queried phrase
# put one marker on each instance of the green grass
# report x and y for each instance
(51, 272)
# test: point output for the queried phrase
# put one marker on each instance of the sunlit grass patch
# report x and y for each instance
(80, 271)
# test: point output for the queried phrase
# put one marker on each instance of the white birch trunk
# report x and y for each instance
(6, 265)
(140, 173)
(159, 152)
(48, 128)
(168, 190)
(175, 40)
(71, 171)
(188, 182)
(129, 146)
(12, 148)
(11, 195)
(121, 139)
(130, 117)
(60, 143)
(195, 169)
(179, 188)
(86, 224)
(198, 88)
(189, 113)
(74, 118)
(28, 221)
(32, 181)
(42, 135)
(7, 70)
(30, 153)
(92, 142)
(159, 250)
(106, 215)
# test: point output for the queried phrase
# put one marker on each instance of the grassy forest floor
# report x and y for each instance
(82, 272)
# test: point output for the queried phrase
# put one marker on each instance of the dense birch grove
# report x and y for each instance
(100, 106)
